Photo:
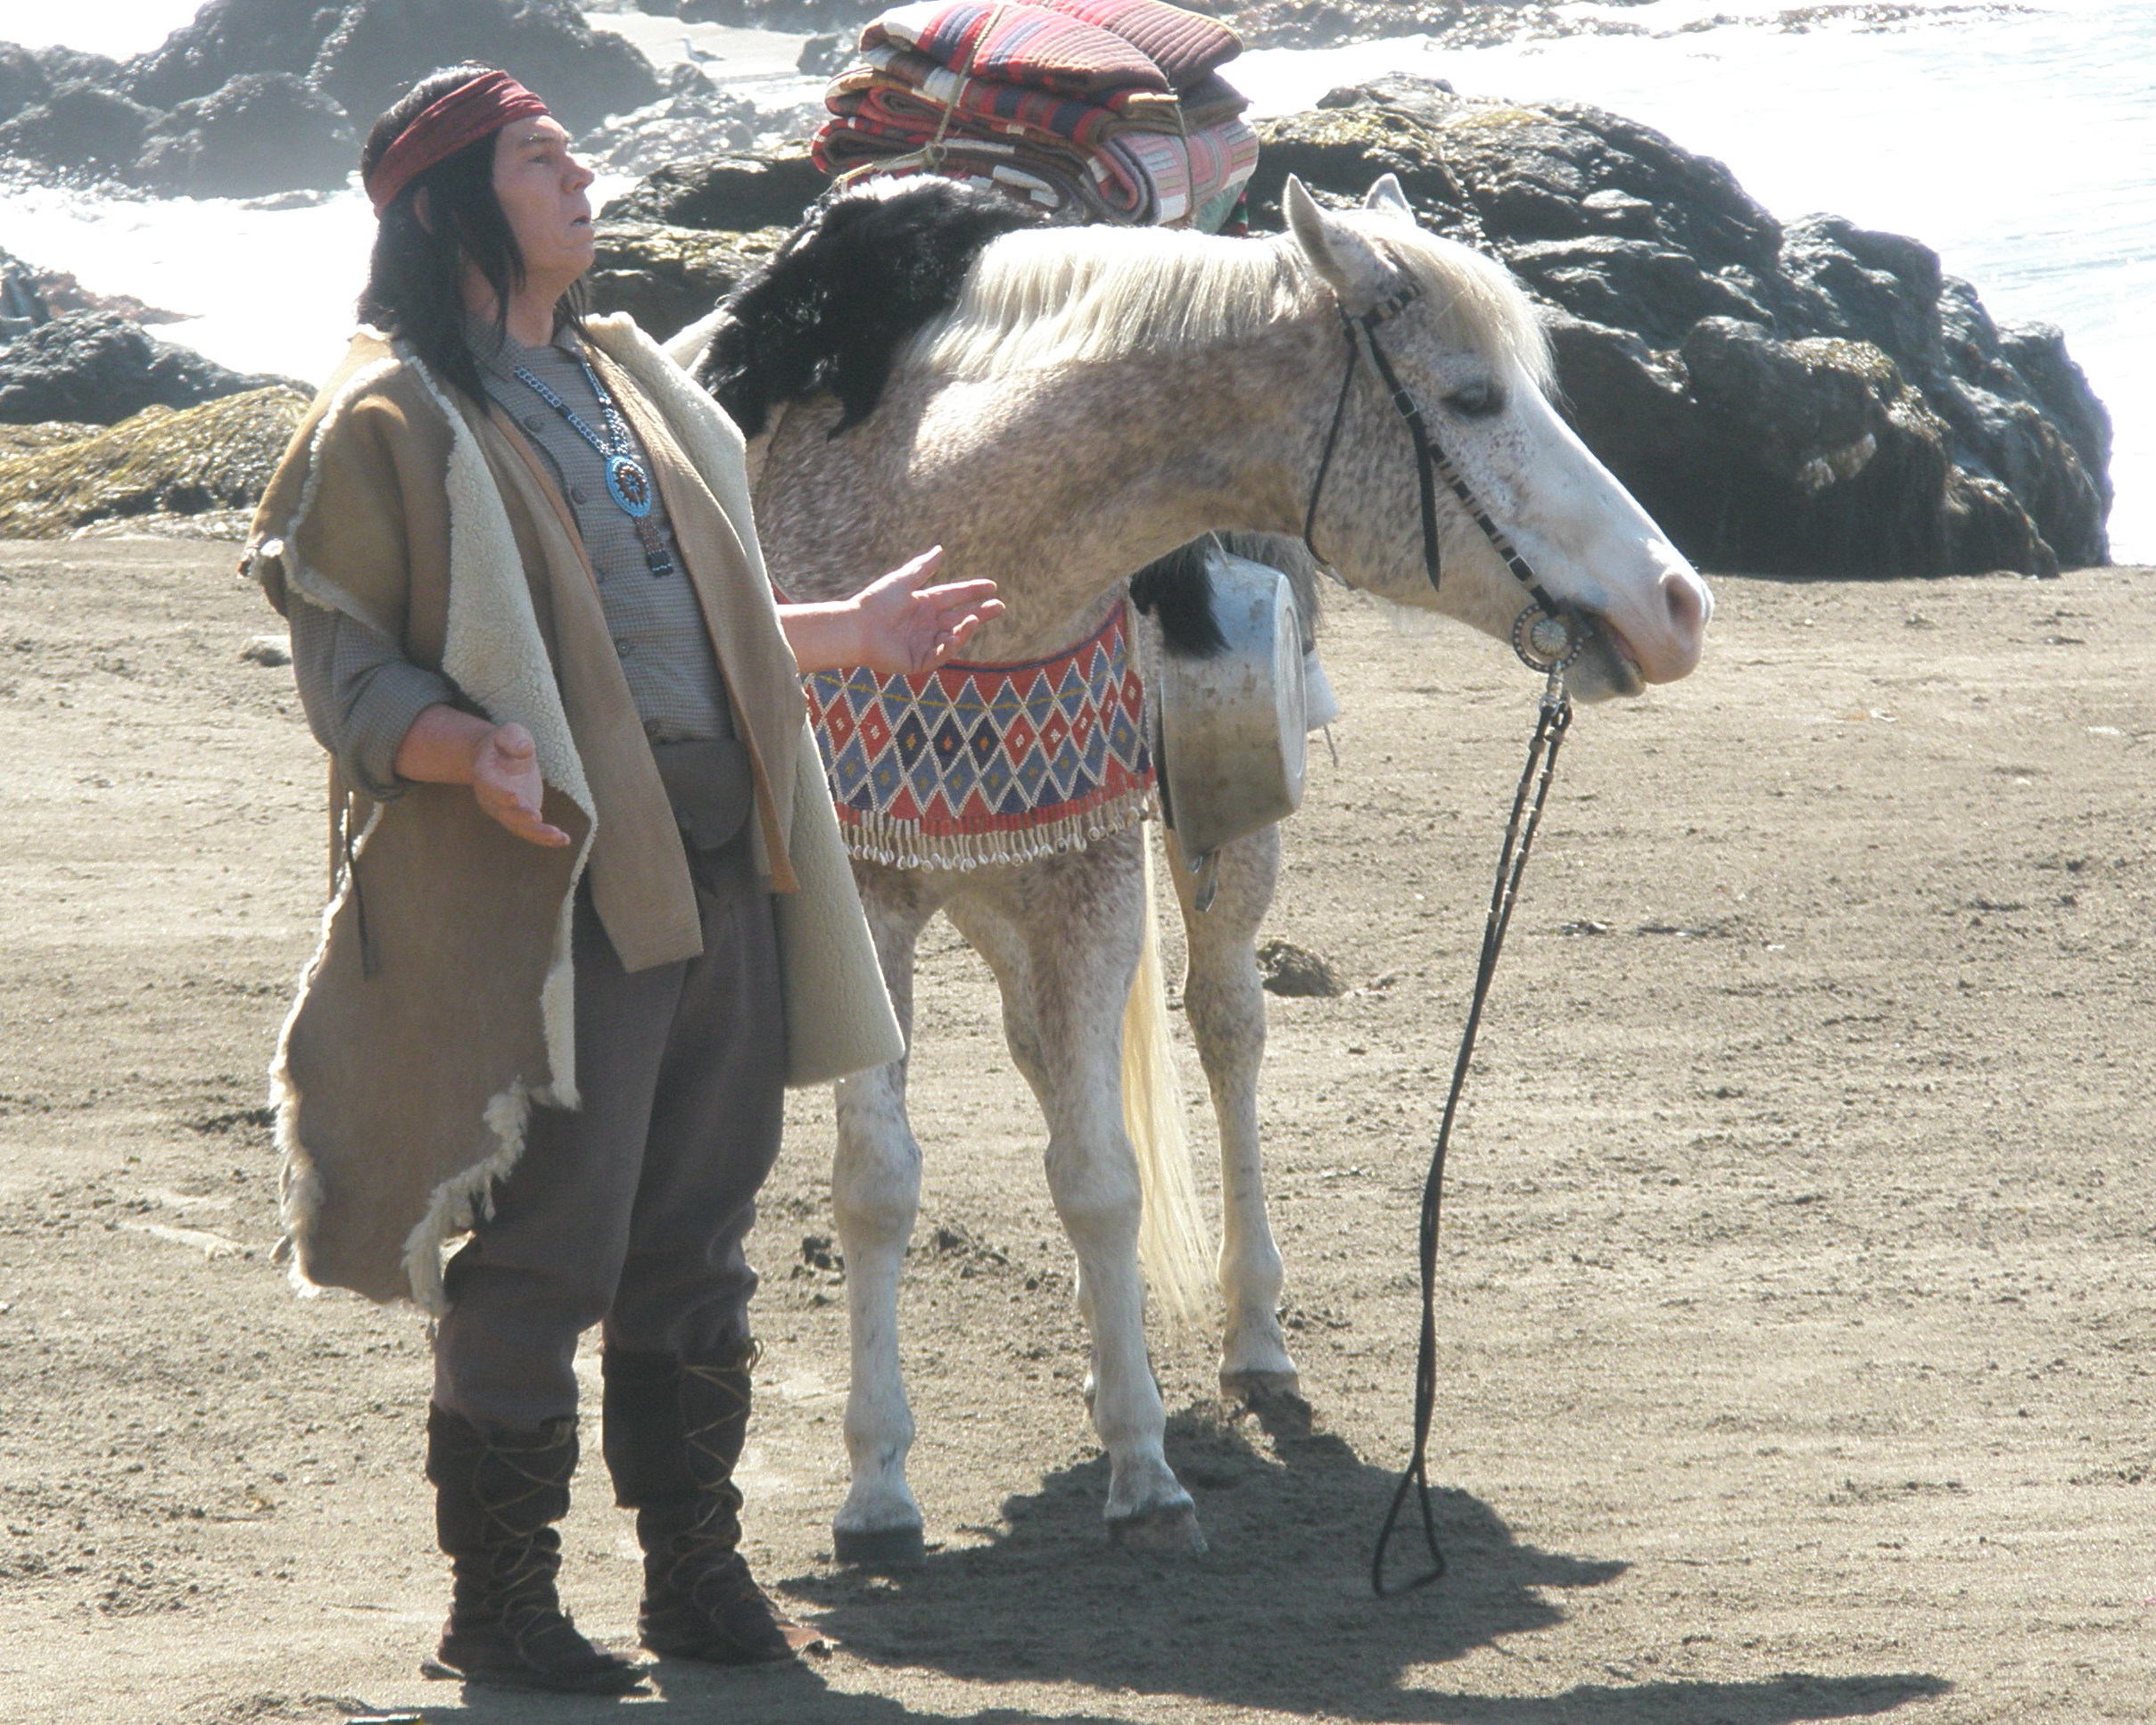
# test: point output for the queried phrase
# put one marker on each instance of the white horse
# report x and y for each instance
(1089, 400)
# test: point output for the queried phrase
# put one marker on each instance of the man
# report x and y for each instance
(594, 911)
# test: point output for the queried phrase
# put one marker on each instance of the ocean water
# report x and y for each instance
(2019, 141)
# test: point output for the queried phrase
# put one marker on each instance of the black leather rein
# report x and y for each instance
(1547, 637)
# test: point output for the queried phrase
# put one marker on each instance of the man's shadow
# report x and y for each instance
(1278, 1614)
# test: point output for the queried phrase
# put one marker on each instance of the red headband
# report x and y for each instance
(466, 114)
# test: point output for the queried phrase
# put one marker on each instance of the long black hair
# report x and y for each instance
(415, 280)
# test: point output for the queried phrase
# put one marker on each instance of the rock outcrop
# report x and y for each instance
(80, 129)
(379, 48)
(260, 96)
(678, 241)
(790, 15)
(27, 440)
(259, 133)
(31, 296)
(739, 194)
(695, 119)
(667, 278)
(30, 75)
(216, 459)
(228, 38)
(1802, 398)
(1261, 24)
(100, 368)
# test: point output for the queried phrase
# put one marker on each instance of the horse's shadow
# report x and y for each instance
(1277, 1615)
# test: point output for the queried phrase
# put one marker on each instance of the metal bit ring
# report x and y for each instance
(1546, 642)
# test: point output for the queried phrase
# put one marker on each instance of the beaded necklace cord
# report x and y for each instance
(627, 482)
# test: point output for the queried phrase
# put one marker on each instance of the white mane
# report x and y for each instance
(1044, 297)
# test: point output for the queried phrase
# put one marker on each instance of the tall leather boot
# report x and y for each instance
(498, 1493)
(674, 1434)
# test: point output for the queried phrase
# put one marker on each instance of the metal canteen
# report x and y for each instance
(1233, 727)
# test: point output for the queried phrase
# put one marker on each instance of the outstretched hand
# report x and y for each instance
(907, 626)
(505, 778)
(500, 762)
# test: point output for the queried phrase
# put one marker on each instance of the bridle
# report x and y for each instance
(1548, 636)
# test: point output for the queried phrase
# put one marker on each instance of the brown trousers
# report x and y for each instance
(631, 1210)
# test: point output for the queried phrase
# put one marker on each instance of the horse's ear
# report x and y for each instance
(1316, 233)
(1346, 261)
(1388, 199)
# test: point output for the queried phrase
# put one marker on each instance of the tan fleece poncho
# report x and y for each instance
(439, 1006)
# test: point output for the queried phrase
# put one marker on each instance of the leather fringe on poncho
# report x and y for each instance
(438, 1008)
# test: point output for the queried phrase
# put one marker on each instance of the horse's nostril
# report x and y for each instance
(1687, 602)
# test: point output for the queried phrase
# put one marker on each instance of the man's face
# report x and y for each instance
(542, 187)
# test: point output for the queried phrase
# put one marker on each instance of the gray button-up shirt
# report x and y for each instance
(361, 695)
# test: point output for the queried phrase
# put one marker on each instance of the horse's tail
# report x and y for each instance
(1173, 1247)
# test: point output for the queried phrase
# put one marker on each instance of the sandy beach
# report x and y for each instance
(1797, 1349)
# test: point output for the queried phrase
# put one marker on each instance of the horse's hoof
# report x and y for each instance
(1274, 1397)
(1171, 1528)
(880, 1548)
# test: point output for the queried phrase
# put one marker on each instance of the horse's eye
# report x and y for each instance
(1477, 400)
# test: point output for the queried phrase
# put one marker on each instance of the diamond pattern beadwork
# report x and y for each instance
(972, 764)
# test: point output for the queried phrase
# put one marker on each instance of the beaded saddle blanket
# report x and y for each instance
(976, 765)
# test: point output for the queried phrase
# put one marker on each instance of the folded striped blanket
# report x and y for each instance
(1184, 175)
(1034, 46)
(1130, 176)
(910, 88)
(1040, 100)
(1185, 45)
(1037, 179)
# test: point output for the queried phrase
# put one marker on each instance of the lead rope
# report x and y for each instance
(1553, 719)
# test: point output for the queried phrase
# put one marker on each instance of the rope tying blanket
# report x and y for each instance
(973, 766)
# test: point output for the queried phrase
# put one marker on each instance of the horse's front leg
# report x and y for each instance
(875, 1193)
(1224, 1005)
(1079, 916)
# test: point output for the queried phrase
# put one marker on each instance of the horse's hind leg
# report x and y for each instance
(1078, 916)
(1224, 1005)
(875, 1193)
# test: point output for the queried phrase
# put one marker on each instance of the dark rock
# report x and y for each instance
(694, 120)
(29, 296)
(22, 80)
(80, 129)
(38, 72)
(1287, 968)
(826, 55)
(735, 193)
(226, 39)
(380, 48)
(793, 16)
(668, 278)
(1325, 23)
(100, 368)
(2037, 353)
(262, 133)
(22, 307)
(1817, 399)
(162, 461)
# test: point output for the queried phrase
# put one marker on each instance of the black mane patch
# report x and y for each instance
(858, 279)
(1178, 590)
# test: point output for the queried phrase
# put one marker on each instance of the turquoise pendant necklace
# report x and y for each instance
(627, 482)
